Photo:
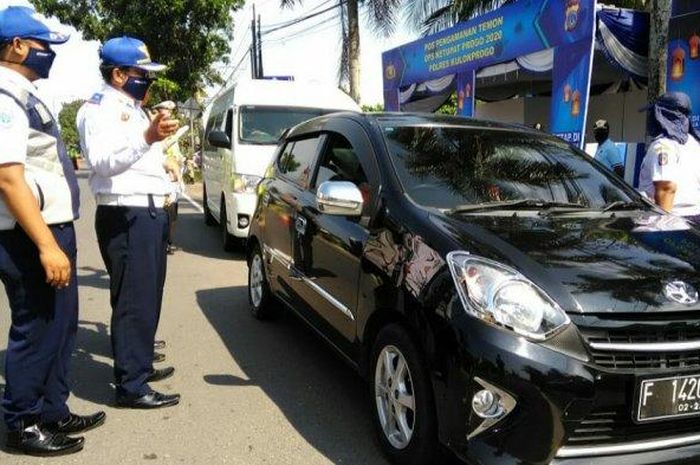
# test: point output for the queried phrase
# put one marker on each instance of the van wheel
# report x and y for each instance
(228, 240)
(401, 399)
(209, 219)
(259, 295)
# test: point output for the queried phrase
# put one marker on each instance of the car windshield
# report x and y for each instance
(265, 125)
(456, 168)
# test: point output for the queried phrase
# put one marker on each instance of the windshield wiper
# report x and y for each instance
(622, 205)
(523, 204)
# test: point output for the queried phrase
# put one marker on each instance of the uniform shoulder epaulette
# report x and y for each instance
(96, 98)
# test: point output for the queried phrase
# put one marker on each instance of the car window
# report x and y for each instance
(447, 167)
(297, 160)
(339, 162)
(264, 125)
(229, 124)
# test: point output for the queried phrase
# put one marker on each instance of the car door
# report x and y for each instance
(328, 248)
(211, 162)
(280, 200)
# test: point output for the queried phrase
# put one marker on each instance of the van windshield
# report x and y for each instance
(265, 125)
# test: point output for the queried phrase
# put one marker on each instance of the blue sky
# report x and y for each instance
(309, 51)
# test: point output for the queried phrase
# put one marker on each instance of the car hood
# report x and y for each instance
(591, 264)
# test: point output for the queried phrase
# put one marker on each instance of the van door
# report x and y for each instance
(211, 163)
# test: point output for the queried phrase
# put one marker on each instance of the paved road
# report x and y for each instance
(252, 393)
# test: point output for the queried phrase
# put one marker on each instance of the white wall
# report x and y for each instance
(621, 110)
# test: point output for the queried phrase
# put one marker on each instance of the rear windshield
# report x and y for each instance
(265, 125)
(448, 167)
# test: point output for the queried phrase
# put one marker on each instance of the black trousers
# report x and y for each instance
(133, 244)
(42, 334)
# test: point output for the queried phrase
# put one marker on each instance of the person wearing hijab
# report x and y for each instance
(670, 171)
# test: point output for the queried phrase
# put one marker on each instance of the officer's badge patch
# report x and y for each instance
(125, 117)
(96, 99)
(5, 119)
(663, 159)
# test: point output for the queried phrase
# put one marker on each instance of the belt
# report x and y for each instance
(135, 200)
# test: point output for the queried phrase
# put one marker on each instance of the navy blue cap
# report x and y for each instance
(128, 51)
(25, 23)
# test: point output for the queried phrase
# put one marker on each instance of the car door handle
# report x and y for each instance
(300, 225)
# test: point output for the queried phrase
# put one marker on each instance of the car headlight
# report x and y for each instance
(502, 296)
(245, 183)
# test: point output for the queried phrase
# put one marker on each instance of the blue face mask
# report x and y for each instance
(40, 61)
(137, 87)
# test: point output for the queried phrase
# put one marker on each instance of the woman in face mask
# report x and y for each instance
(670, 172)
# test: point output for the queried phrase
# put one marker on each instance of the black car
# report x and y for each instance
(504, 295)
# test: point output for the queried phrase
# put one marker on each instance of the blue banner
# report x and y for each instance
(570, 89)
(683, 70)
(466, 88)
(520, 28)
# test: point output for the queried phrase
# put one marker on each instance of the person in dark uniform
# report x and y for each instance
(128, 178)
(39, 202)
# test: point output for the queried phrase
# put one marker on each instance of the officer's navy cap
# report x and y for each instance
(25, 23)
(128, 51)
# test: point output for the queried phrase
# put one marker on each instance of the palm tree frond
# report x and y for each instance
(383, 15)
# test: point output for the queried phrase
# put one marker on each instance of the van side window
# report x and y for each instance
(297, 161)
(339, 162)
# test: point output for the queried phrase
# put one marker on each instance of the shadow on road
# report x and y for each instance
(93, 277)
(323, 399)
(194, 237)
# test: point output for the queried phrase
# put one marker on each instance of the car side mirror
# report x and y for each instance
(219, 139)
(340, 198)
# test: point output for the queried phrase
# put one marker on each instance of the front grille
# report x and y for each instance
(610, 426)
(628, 360)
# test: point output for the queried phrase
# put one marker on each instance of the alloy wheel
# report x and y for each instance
(256, 281)
(395, 401)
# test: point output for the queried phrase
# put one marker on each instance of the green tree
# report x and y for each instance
(69, 132)
(382, 16)
(187, 35)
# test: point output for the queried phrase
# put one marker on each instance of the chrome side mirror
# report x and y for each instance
(340, 198)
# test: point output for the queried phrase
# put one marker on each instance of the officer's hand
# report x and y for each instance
(160, 128)
(56, 265)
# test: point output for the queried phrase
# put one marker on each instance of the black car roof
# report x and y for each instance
(409, 119)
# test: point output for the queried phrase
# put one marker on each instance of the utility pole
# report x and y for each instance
(254, 48)
(260, 60)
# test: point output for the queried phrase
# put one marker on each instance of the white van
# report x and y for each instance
(241, 134)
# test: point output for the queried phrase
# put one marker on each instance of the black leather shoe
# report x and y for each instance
(37, 441)
(148, 401)
(77, 423)
(161, 374)
(158, 357)
(158, 345)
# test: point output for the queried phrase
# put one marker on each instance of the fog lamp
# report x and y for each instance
(486, 404)
(243, 221)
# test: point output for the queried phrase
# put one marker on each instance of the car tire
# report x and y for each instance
(228, 240)
(209, 219)
(398, 379)
(259, 294)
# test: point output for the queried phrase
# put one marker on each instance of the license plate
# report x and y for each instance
(665, 398)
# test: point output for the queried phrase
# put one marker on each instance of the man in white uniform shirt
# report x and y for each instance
(39, 202)
(670, 171)
(122, 147)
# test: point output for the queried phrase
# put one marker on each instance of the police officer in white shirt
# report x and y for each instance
(122, 147)
(670, 171)
(39, 202)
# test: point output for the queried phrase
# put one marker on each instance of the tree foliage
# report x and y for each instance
(69, 131)
(187, 35)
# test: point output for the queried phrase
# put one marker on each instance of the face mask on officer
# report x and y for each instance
(137, 86)
(38, 60)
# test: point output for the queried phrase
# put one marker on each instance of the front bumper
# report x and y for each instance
(242, 206)
(569, 410)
